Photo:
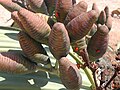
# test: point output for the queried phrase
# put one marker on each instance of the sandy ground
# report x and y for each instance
(4, 17)
(113, 4)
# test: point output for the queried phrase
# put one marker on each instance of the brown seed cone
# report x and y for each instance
(94, 7)
(98, 43)
(12, 62)
(34, 25)
(38, 6)
(102, 18)
(69, 74)
(81, 25)
(107, 12)
(50, 6)
(32, 49)
(62, 8)
(108, 23)
(59, 42)
(15, 17)
(75, 11)
(9, 5)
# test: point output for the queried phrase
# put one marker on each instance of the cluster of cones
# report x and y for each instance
(75, 26)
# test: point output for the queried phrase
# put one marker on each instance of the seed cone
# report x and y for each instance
(50, 6)
(99, 42)
(94, 7)
(12, 62)
(102, 18)
(107, 12)
(32, 49)
(9, 5)
(59, 42)
(34, 25)
(62, 8)
(81, 25)
(75, 11)
(38, 6)
(15, 17)
(108, 23)
(69, 74)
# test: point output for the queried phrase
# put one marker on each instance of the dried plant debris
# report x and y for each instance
(118, 54)
(69, 74)
(59, 41)
(81, 25)
(35, 25)
(116, 83)
(75, 11)
(116, 12)
(106, 70)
